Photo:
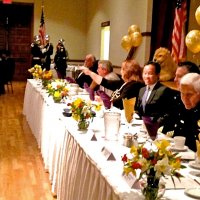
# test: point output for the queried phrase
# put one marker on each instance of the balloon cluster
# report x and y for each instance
(192, 39)
(133, 39)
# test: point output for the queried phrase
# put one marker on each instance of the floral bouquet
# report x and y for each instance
(36, 71)
(82, 110)
(57, 89)
(46, 77)
(152, 160)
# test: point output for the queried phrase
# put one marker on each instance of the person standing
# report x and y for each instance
(36, 51)
(47, 51)
(60, 59)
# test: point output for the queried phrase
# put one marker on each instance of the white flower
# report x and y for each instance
(162, 166)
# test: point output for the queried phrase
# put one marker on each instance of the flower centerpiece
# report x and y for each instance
(152, 161)
(47, 75)
(57, 89)
(82, 110)
(36, 71)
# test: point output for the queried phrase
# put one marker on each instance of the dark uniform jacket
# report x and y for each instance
(46, 56)
(36, 54)
(184, 122)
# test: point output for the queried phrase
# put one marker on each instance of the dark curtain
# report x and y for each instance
(162, 24)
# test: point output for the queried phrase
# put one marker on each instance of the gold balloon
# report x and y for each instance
(133, 28)
(197, 15)
(126, 42)
(136, 39)
(192, 41)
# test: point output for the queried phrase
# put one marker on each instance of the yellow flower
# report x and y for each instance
(57, 94)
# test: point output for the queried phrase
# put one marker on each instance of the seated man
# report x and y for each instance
(182, 69)
(105, 70)
(188, 124)
(91, 63)
(153, 99)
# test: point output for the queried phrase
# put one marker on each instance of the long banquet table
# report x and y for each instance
(78, 168)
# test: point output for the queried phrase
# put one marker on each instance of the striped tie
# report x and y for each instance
(144, 98)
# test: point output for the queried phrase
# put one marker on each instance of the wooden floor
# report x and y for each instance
(22, 175)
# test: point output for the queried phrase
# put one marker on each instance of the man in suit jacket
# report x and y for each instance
(158, 99)
(188, 123)
(174, 117)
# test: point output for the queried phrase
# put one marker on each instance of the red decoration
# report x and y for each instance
(7, 1)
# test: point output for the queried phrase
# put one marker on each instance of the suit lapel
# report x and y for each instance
(153, 92)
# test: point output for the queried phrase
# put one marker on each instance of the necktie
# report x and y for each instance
(144, 98)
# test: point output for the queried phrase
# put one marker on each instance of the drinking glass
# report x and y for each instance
(151, 127)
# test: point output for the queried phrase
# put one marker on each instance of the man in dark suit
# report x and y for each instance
(154, 99)
(174, 116)
(188, 123)
(91, 63)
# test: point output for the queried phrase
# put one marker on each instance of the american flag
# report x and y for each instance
(42, 28)
(178, 34)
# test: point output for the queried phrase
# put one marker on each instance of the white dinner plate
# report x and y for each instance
(194, 165)
(173, 148)
(193, 192)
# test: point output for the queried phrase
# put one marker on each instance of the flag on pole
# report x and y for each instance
(42, 27)
(178, 34)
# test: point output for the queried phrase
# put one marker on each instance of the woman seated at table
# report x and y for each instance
(189, 119)
(128, 87)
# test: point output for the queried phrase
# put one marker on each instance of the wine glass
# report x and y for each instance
(151, 127)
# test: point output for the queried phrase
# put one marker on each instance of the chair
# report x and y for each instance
(9, 72)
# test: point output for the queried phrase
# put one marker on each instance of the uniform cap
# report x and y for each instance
(61, 41)
(36, 38)
(47, 37)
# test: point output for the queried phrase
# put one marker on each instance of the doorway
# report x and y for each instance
(16, 21)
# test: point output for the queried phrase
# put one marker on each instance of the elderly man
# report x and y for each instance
(188, 124)
(182, 69)
(91, 63)
(105, 69)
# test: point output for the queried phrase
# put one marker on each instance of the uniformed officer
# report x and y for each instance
(60, 59)
(47, 51)
(36, 51)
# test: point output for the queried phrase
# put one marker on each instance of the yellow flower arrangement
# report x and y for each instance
(152, 160)
(36, 71)
(57, 89)
(83, 110)
(155, 156)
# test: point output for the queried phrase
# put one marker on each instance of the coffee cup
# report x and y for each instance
(179, 142)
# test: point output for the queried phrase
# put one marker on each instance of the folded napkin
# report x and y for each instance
(128, 105)
(198, 146)
(151, 126)
(70, 80)
(105, 98)
(89, 90)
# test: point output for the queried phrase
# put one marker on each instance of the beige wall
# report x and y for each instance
(79, 23)
(64, 19)
(121, 14)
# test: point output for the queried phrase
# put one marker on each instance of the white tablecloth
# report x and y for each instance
(78, 170)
